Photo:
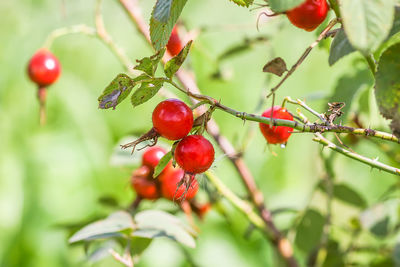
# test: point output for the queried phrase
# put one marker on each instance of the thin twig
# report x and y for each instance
(304, 56)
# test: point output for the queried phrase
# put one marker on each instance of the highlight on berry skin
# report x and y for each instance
(276, 134)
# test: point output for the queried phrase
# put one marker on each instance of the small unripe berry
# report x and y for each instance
(194, 154)
(276, 134)
(172, 186)
(44, 68)
(152, 156)
(172, 119)
(309, 15)
(144, 185)
(174, 45)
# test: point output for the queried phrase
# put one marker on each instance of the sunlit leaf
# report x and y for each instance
(113, 225)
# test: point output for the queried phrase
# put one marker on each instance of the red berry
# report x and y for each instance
(171, 178)
(309, 15)
(276, 134)
(172, 119)
(194, 154)
(44, 68)
(152, 156)
(174, 45)
(144, 186)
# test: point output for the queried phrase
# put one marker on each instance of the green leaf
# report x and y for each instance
(309, 231)
(340, 47)
(139, 244)
(245, 3)
(145, 92)
(376, 220)
(163, 18)
(116, 91)
(102, 251)
(162, 164)
(348, 86)
(112, 226)
(367, 22)
(387, 87)
(149, 64)
(394, 35)
(334, 256)
(284, 5)
(346, 194)
(156, 224)
(381, 228)
(173, 65)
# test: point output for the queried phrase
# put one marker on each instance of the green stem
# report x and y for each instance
(240, 204)
(371, 63)
(371, 162)
(335, 6)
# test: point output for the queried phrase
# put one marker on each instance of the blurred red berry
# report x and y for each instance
(143, 184)
(174, 45)
(152, 156)
(44, 68)
(173, 187)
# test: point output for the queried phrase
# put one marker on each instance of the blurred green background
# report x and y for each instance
(55, 174)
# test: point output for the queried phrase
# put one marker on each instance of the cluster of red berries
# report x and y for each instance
(173, 119)
(166, 185)
(276, 134)
(309, 15)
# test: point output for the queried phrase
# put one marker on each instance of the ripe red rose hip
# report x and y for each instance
(174, 45)
(44, 68)
(309, 15)
(276, 134)
(144, 186)
(194, 154)
(171, 178)
(152, 156)
(172, 119)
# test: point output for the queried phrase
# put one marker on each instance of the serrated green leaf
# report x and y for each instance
(145, 92)
(284, 5)
(116, 91)
(340, 47)
(112, 226)
(162, 164)
(156, 224)
(245, 3)
(149, 64)
(367, 22)
(309, 231)
(173, 65)
(163, 18)
(387, 87)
